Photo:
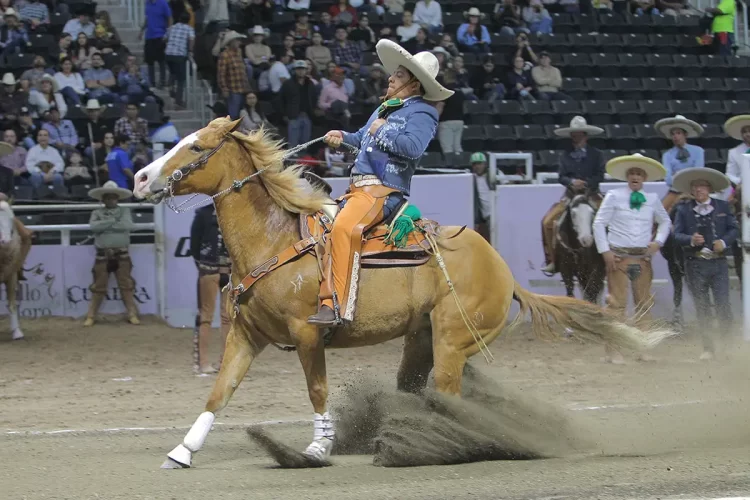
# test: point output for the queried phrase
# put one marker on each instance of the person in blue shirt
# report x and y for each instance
(683, 155)
(157, 20)
(118, 163)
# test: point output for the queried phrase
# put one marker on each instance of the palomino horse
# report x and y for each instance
(10, 263)
(258, 204)
(576, 254)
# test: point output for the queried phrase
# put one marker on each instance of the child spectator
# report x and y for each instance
(76, 172)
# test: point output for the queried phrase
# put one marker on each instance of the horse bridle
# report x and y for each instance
(568, 208)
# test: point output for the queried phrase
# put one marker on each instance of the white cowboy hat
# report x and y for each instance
(474, 12)
(9, 79)
(618, 167)
(578, 124)
(51, 79)
(110, 187)
(229, 36)
(93, 104)
(424, 66)
(682, 179)
(665, 126)
(733, 127)
(258, 30)
(10, 12)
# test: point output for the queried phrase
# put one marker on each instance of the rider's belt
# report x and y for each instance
(366, 180)
(632, 251)
(705, 256)
(111, 253)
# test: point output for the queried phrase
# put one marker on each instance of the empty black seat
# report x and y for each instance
(710, 111)
(685, 88)
(636, 43)
(578, 64)
(555, 141)
(602, 89)
(609, 42)
(735, 107)
(608, 154)
(620, 137)
(649, 137)
(508, 113)
(478, 112)
(606, 65)
(474, 137)
(612, 23)
(715, 66)
(549, 159)
(664, 44)
(655, 110)
(540, 112)
(531, 137)
(584, 42)
(500, 137)
(566, 110)
(739, 88)
(648, 153)
(713, 159)
(688, 65)
(576, 88)
(683, 107)
(629, 88)
(628, 112)
(598, 113)
(635, 65)
(432, 160)
(657, 89)
(661, 65)
(714, 88)
(459, 160)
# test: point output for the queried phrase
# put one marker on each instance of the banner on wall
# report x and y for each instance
(58, 277)
(519, 211)
(447, 199)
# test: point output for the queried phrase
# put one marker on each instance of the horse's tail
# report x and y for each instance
(587, 321)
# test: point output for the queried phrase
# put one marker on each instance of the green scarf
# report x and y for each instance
(636, 200)
(398, 233)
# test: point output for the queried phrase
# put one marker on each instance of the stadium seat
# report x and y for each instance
(575, 88)
(713, 137)
(612, 23)
(683, 107)
(578, 64)
(629, 88)
(474, 137)
(685, 88)
(713, 159)
(566, 110)
(735, 107)
(531, 137)
(584, 42)
(549, 160)
(740, 66)
(555, 141)
(606, 65)
(636, 43)
(628, 112)
(42, 44)
(688, 65)
(20, 62)
(649, 137)
(29, 219)
(715, 66)
(24, 193)
(663, 44)
(620, 137)
(609, 154)
(459, 160)
(635, 65)
(478, 112)
(648, 153)
(710, 111)
(739, 88)
(661, 65)
(714, 88)
(508, 113)
(540, 112)
(432, 160)
(598, 113)
(665, 24)
(602, 89)
(655, 110)
(657, 89)
(500, 137)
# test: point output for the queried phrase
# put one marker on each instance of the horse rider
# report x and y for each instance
(705, 227)
(212, 260)
(682, 155)
(25, 235)
(111, 226)
(482, 194)
(390, 146)
(623, 229)
(737, 127)
(581, 170)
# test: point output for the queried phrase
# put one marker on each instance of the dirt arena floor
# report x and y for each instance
(91, 414)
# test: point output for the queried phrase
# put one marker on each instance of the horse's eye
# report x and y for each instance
(195, 148)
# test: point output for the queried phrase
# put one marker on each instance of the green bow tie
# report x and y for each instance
(389, 105)
(636, 200)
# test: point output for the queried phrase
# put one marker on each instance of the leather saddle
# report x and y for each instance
(375, 251)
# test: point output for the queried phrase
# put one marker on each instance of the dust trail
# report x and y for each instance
(285, 456)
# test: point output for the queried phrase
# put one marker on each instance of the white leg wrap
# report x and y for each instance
(14, 320)
(196, 436)
(323, 426)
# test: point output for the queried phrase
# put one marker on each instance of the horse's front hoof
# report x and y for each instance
(17, 334)
(320, 449)
(171, 464)
(179, 458)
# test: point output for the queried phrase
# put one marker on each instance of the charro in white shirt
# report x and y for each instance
(735, 160)
(628, 227)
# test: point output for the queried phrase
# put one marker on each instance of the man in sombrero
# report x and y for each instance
(111, 226)
(737, 127)
(682, 155)
(581, 170)
(623, 229)
(390, 146)
(705, 227)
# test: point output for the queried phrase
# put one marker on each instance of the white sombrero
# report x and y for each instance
(110, 187)
(665, 126)
(618, 167)
(578, 124)
(424, 66)
(230, 36)
(733, 127)
(6, 149)
(682, 179)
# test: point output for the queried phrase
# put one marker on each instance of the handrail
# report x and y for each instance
(65, 229)
(210, 94)
(77, 206)
(745, 30)
(191, 82)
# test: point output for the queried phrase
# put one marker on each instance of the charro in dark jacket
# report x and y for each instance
(206, 243)
(586, 164)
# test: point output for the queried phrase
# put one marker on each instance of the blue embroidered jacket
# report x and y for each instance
(394, 152)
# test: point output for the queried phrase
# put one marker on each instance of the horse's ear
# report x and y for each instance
(235, 124)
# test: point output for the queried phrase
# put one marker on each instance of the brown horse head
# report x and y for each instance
(220, 159)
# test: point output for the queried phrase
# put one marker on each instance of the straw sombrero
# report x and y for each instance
(665, 126)
(110, 187)
(578, 124)
(682, 179)
(6, 149)
(618, 167)
(230, 36)
(424, 66)
(733, 127)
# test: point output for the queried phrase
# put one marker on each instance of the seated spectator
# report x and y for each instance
(509, 18)
(463, 80)
(76, 172)
(100, 153)
(408, 28)
(83, 52)
(334, 100)
(5, 6)
(62, 133)
(64, 49)
(313, 73)
(78, 25)
(166, 133)
(520, 83)
(318, 53)
(537, 18)
(132, 126)
(278, 73)
(180, 43)
(26, 129)
(45, 96)
(13, 36)
(524, 51)
(446, 42)
(429, 15)
(372, 8)
(31, 77)
(252, 117)
(15, 161)
(44, 162)
(288, 46)
(257, 53)
(35, 15)
(486, 81)
(442, 56)
(326, 27)
(343, 14)
(302, 32)
(134, 85)
(677, 8)
(363, 34)
(119, 167)
(548, 79)
(349, 85)
(375, 86)
(298, 98)
(604, 6)
(100, 81)
(346, 53)
(451, 112)
(473, 36)
(106, 37)
(394, 6)
(641, 7)
(298, 5)
(70, 83)
(12, 99)
(420, 43)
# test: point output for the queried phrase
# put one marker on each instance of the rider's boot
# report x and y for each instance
(549, 268)
(325, 316)
(96, 301)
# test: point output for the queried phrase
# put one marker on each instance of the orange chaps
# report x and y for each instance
(25, 235)
(362, 211)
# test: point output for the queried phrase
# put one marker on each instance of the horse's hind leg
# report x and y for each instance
(11, 287)
(239, 353)
(416, 361)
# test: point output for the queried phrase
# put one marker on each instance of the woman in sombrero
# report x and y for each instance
(390, 146)
(679, 129)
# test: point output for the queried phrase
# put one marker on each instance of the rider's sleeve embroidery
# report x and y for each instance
(407, 136)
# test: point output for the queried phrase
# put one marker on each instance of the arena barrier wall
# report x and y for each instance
(519, 210)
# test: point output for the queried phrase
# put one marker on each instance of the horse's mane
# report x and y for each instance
(285, 185)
